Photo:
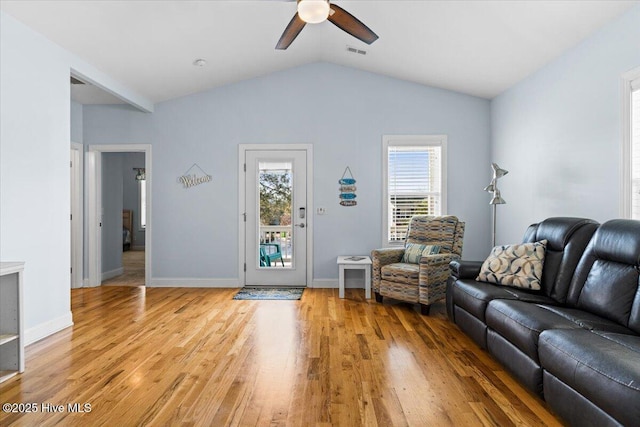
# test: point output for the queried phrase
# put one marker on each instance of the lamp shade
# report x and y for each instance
(498, 172)
(313, 11)
(497, 198)
(491, 187)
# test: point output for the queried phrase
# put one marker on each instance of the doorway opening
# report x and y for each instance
(119, 193)
(124, 212)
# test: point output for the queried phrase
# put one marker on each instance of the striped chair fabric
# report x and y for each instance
(426, 282)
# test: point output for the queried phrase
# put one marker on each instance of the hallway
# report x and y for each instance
(133, 263)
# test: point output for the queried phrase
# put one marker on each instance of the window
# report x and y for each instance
(142, 202)
(635, 149)
(414, 170)
(631, 147)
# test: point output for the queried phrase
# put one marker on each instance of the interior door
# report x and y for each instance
(276, 218)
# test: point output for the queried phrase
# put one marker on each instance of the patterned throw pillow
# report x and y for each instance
(519, 265)
(413, 252)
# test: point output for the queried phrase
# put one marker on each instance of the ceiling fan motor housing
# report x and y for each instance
(313, 11)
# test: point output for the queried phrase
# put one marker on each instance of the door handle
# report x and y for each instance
(301, 225)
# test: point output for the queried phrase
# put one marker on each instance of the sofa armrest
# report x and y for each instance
(434, 272)
(465, 269)
(387, 256)
(380, 258)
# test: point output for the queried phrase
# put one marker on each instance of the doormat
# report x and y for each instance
(269, 293)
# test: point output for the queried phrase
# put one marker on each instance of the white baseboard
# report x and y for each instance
(194, 283)
(175, 282)
(45, 329)
(113, 273)
(325, 283)
(333, 284)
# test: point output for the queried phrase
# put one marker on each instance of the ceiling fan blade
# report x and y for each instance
(350, 24)
(291, 32)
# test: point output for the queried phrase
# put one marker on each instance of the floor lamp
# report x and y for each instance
(496, 199)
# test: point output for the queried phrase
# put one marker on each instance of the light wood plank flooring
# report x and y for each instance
(195, 357)
(133, 265)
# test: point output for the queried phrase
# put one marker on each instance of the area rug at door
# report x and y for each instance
(269, 293)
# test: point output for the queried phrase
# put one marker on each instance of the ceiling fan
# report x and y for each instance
(316, 11)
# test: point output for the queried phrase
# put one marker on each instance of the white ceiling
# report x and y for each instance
(479, 48)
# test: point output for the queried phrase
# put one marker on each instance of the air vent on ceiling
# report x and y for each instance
(75, 81)
(356, 51)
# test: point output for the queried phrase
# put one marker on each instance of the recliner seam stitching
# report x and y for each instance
(519, 323)
(590, 367)
(617, 342)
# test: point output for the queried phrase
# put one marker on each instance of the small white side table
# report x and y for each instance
(355, 262)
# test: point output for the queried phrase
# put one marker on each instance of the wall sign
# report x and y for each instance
(347, 189)
(194, 179)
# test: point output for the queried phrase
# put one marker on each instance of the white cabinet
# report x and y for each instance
(11, 324)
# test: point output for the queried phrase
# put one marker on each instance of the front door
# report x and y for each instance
(276, 218)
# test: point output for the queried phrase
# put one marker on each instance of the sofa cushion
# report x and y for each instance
(607, 278)
(518, 265)
(473, 296)
(401, 272)
(609, 290)
(603, 367)
(521, 322)
(567, 239)
(414, 251)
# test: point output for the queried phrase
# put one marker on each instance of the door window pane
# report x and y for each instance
(275, 183)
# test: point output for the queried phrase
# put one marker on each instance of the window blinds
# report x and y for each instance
(414, 185)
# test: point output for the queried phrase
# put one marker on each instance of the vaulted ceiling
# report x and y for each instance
(479, 48)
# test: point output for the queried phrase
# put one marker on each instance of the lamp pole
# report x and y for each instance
(493, 236)
(497, 198)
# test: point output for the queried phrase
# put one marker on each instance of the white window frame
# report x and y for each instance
(410, 140)
(630, 81)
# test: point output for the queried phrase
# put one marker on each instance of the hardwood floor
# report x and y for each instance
(195, 357)
(133, 264)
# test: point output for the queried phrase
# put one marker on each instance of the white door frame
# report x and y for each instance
(77, 225)
(242, 149)
(94, 194)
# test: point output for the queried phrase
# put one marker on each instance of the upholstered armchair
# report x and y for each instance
(418, 272)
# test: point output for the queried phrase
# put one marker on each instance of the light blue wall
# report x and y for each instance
(559, 133)
(341, 111)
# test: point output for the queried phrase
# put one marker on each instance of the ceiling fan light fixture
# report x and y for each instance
(313, 11)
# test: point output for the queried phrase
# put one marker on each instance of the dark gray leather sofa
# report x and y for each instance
(576, 342)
